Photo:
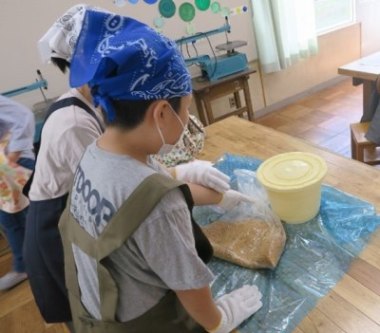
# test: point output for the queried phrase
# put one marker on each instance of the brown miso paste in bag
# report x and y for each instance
(250, 243)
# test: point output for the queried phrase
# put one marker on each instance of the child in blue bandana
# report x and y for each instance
(132, 265)
(65, 136)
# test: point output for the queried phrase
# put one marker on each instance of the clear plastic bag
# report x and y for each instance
(250, 235)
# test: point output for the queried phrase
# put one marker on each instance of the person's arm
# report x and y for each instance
(227, 200)
(22, 126)
(75, 140)
(208, 185)
(204, 195)
(200, 306)
(169, 238)
(202, 173)
(226, 313)
(14, 156)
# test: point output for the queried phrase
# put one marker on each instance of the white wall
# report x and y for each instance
(368, 13)
(22, 23)
(335, 49)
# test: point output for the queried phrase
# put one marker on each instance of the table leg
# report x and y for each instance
(238, 102)
(237, 99)
(368, 88)
(201, 111)
(368, 106)
(353, 146)
(248, 100)
(208, 108)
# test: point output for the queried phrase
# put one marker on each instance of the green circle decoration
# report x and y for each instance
(167, 8)
(202, 4)
(186, 11)
(215, 7)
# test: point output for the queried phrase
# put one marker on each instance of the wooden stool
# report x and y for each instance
(359, 143)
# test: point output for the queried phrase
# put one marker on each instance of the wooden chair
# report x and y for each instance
(360, 144)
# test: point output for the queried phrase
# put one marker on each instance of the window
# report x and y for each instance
(333, 14)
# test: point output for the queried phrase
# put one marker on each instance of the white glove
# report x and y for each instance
(237, 306)
(203, 173)
(232, 198)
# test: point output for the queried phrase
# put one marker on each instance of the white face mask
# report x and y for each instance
(166, 148)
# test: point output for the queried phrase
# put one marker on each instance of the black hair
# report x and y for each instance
(62, 64)
(129, 114)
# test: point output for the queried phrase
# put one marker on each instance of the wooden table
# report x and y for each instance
(205, 91)
(363, 71)
(353, 305)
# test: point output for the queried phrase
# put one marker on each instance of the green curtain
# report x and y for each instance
(285, 32)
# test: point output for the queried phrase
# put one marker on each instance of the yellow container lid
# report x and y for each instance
(291, 171)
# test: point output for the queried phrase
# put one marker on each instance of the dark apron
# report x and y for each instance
(43, 255)
(43, 250)
(168, 316)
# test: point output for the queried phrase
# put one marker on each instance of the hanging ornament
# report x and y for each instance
(190, 29)
(186, 11)
(150, 2)
(119, 3)
(202, 4)
(158, 23)
(238, 10)
(225, 11)
(215, 7)
(167, 8)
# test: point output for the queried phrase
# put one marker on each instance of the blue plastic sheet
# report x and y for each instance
(316, 256)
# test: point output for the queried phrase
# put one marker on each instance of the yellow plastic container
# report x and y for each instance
(293, 183)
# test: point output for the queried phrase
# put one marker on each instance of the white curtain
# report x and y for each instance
(285, 32)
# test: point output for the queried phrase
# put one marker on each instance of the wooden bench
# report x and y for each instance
(361, 149)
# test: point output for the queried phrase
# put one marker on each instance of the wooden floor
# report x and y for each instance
(322, 118)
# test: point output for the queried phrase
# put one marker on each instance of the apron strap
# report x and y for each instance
(122, 225)
(135, 210)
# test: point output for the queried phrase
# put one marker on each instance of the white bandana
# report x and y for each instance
(60, 40)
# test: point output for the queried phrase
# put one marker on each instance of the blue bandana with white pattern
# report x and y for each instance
(123, 59)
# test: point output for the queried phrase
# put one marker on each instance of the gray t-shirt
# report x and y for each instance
(159, 256)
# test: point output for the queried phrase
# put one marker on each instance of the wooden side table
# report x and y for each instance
(206, 91)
